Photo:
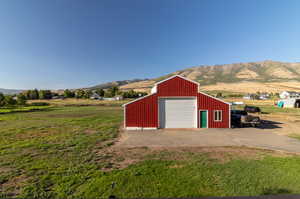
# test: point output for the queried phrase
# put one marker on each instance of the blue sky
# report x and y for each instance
(78, 43)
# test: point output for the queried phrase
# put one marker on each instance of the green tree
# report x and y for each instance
(32, 94)
(27, 94)
(219, 95)
(9, 100)
(21, 99)
(45, 94)
(87, 94)
(35, 94)
(133, 94)
(2, 100)
(113, 91)
(108, 94)
(69, 94)
(79, 93)
(100, 92)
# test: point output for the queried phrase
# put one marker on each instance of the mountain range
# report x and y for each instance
(250, 77)
(9, 91)
(264, 76)
(116, 83)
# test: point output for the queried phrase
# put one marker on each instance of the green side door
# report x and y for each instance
(203, 119)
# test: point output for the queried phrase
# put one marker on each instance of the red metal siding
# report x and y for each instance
(142, 113)
(177, 87)
(208, 103)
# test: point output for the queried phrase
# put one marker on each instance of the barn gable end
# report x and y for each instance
(177, 86)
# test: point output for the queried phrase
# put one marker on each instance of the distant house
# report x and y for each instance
(289, 95)
(264, 96)
(289, 103)
(116, 98)
(95, 96)
(119, 97)
(251, 96)
(58, 97)
(247, 97)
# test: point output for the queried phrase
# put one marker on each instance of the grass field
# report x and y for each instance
(67, 152)
(15, 109)
(81, 102)
(267, 106)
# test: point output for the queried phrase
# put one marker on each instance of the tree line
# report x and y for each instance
(20, 99)
(108, 93)
(9, 100)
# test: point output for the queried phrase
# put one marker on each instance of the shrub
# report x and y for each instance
(10, 101)
(69, 94)
(2, 101)
(45, 94)
(21, 99)
(39, 104)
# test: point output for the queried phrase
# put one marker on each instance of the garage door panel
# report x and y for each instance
(177, 113)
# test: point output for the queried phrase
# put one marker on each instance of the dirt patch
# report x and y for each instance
(119, 158)
(13, 187)
(90, 131)
(4, 169)
(289, 123)
(253, 87)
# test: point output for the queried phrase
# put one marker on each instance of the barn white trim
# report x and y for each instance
(137, 99)
(183, 116)
(214, 98)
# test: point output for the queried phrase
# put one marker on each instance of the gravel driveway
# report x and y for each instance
(251, 137)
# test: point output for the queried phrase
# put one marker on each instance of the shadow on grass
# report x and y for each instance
(275, 191)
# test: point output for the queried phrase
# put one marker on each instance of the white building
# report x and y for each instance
(289, 103)
(289, 95)
(95, 96)
(264, 96)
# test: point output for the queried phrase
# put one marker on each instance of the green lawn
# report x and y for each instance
(53, 149)
(65, 152)
(16, 109)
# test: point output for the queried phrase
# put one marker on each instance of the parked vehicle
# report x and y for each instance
(238, 112)
(251, 120)
(240, 118)
(252, 109)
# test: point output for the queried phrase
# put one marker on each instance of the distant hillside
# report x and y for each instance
(265, 76)
(9, 91)
(116, 83)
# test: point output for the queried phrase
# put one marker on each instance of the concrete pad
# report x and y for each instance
(250, 137)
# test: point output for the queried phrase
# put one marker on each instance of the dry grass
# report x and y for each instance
(237, 87)
(253, 87)
(81, 102)
(120, 158)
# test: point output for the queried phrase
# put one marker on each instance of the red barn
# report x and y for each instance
(176, 103)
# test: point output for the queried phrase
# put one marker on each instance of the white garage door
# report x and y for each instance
(178, 113)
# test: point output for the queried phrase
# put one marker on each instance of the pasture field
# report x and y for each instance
(267, 107)
(68, 151)
(29, 108)
(81, 102)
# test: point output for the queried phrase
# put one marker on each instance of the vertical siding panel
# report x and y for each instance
(177, 87)
(142, 113)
